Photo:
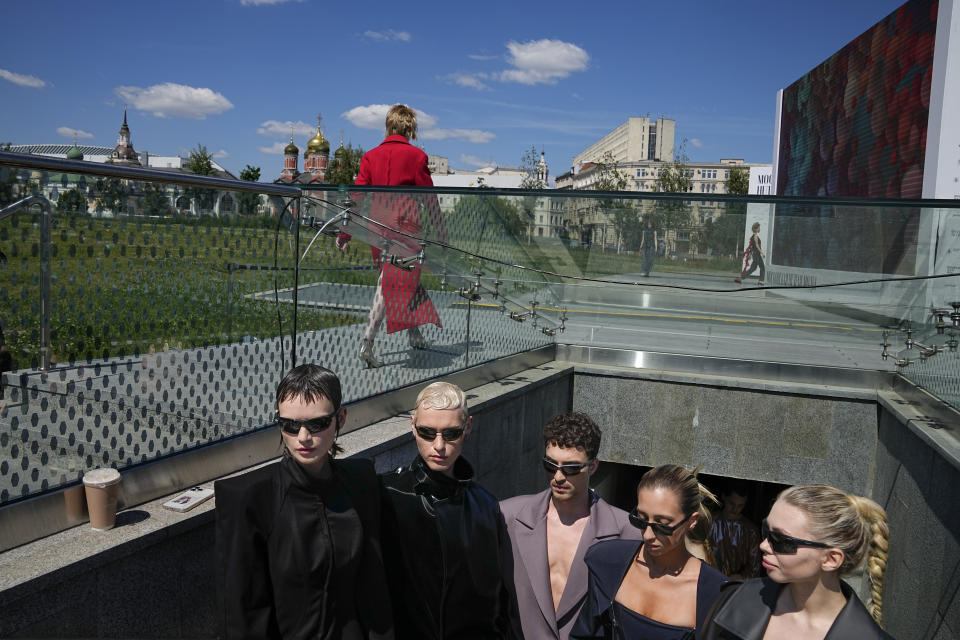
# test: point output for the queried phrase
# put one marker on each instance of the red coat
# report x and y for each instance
(397, 162)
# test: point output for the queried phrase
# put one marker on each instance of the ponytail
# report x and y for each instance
(879, 534)
(854, 524)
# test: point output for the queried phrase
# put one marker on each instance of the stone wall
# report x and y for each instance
(756, 434)
(920, 489)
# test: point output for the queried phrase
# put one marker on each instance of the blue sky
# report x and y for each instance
(490, 79)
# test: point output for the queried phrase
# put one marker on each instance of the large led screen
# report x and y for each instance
(856, 126)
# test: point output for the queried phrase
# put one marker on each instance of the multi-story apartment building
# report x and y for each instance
(637, 139)
(705, 178)
(438, 165)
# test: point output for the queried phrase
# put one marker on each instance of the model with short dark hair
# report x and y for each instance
(298, 551)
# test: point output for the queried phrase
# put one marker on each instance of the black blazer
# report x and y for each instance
(743, 611)
(607, 563)
(299, 557)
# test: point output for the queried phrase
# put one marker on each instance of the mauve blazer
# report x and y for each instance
(526, 519)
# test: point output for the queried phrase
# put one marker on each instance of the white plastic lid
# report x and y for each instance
(101, 477)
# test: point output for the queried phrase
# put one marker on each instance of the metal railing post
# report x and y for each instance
(45, 286)
(296, 280)
(47, 211)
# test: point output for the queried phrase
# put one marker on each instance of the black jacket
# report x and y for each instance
(743, 611)
(299, 557)
(447, 556)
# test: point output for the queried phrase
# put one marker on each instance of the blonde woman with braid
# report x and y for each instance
(813, 535)
(654, 588)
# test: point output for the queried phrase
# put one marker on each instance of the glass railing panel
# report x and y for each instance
(451, 269)
(164, 334)
(838, 274)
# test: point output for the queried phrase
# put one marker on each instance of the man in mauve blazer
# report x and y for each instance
(551, 586)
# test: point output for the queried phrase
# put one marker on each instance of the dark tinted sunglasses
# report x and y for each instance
(449, 435)
(570, 469)
(782, 543)
(658, 528)
(313, 425)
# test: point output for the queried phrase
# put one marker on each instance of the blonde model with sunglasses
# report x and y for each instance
(813, 535)
(445, 545)
(654, 588)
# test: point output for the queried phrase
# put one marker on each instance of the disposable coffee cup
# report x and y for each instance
(102, 487)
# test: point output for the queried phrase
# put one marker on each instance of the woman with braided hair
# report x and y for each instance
(813, 535)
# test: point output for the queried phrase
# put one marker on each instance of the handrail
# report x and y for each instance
(44, 268)
(46, 163)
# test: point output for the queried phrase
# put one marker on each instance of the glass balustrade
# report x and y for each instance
(145, 317)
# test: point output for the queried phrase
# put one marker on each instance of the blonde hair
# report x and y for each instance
(755, 227)
(402, 121)
(692, 495)
(443, 396)
(853, 524)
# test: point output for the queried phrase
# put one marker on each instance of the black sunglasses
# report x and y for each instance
(570, 469)
(313, 425)
(449, 435)
(658, 528)
(782, 543)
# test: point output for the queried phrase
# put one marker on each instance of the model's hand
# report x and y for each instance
(342, 241)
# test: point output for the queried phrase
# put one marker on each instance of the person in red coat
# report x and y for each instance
(399, 297)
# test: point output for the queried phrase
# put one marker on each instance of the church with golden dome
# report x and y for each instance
(315, 159)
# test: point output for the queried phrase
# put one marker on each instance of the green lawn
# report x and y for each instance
(121, 287)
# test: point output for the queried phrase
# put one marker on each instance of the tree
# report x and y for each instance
(247, 202)
(113, 194)
(71, 201)
(738, 181)
(345, 165)
(154, 200)
(200, 162)
(8, 179)
(529, 162)
(674, 177)
(481, 218)
(725, 233)
(626, 222)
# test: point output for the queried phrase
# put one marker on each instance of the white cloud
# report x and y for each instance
(696, 142)
(276, 147)
(388, 35)
(69, 132)
(471, 80)
(278, 128)
(480, 56)
(474, 161)
(372, 116)
(220, 154)
(543, 61)
(171, 99)
(250, 3)
(467, 135)
(22, 80)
